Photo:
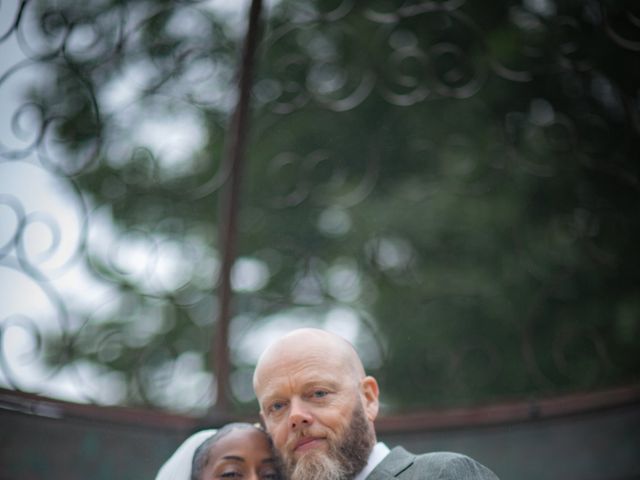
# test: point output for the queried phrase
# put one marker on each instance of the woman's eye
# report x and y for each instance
(269, 475)
(230, 475)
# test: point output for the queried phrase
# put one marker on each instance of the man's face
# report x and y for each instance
(342, 460)
(310, 404)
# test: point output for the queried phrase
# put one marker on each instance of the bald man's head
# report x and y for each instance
(305, 342)
(317, 403)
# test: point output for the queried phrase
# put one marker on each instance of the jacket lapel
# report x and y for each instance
(393, 464)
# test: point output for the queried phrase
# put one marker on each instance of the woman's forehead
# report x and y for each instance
(241, 442)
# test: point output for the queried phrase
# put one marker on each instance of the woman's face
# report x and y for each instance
(241, 453)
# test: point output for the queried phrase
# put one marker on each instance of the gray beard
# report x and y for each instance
(318, 467)
(343, 461)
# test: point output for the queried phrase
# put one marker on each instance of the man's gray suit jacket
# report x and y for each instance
(430, 466)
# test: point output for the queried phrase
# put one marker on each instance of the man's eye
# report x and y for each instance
(270, 475)
(320, 393)
(230, 475)
(276, 406)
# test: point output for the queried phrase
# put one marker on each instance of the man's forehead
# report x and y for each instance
(304, 343)
(308, 349)
(279, 383)
(299, 378)
(298, 362)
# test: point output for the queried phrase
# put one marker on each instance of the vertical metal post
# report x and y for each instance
(229, 207)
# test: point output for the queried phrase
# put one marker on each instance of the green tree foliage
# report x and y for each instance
(463, 178)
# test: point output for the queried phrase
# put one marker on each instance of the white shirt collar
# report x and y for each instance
(380, 450)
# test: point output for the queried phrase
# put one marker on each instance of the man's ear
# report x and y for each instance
(369, 390)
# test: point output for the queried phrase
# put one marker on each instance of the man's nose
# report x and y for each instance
(299, 416)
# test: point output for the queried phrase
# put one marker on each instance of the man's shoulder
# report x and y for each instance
(449, 460)
(441, 465)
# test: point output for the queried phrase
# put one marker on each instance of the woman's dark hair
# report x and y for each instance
(201, 455)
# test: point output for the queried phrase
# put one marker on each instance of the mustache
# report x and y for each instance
(309, 432)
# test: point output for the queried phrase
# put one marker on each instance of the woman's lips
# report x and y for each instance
(307, 443)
